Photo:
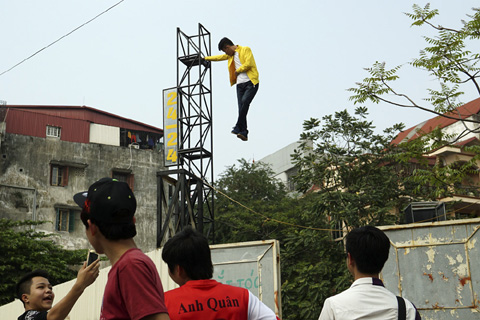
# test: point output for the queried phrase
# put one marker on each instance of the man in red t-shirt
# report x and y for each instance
(189, 262)
(134, 290)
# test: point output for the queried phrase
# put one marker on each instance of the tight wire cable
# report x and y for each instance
(264, 216)
(306, 227)
(66, 35)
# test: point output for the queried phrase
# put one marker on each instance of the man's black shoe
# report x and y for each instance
(243, 136)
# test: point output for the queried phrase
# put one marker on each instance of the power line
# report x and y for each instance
(305, 227)
(66, 35)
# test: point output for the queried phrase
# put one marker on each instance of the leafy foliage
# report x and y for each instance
(22, 249)
(430, 180)
(446, 58)
(312, 265)
(350, 166)
(250, 184)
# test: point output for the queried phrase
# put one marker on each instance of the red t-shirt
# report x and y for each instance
(133, 289)
(209, 299)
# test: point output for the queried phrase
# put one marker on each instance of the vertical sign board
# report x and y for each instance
(170, 126)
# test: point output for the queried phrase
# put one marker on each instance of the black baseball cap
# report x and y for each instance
(108, 200)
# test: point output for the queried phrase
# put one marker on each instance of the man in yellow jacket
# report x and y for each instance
(243, 72)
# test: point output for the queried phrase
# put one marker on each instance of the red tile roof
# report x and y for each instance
(462, 112)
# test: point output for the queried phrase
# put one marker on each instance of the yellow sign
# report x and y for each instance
(170, 126)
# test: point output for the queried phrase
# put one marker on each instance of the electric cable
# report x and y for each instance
(311, 228)
(66, 35)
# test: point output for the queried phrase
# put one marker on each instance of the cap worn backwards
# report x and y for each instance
(108, 200)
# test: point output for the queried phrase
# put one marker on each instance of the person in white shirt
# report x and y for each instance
(367, 251)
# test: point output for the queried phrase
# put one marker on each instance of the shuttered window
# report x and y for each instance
(65, 220)
(58, 175)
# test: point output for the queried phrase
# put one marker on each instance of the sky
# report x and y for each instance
(308, 53)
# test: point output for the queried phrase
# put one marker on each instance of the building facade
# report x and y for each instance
(462, 129)
(49, 153)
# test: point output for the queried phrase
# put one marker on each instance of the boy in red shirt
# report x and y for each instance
(189, 262)
(134, 290)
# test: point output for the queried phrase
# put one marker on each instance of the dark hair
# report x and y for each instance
(189, 249)
(23, 285)
(369, 247)
(224, 42)
(111, 231)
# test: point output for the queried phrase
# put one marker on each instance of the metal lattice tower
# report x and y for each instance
(183, 196)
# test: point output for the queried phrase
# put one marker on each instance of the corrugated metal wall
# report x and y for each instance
(90, 115)
(35, 124)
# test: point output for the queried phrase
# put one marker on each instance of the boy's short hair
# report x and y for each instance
(25, 283)
(110, 204)
(189, 249)
(224, 42)
(369, 247)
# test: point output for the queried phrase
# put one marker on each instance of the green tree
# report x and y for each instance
(22, 249)
(451, 59)
(312, 265)
(350, 165)
(427, 181)
(258, 198)
(447, 59)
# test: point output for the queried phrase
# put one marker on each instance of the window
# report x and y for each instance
(65, 220)
(59, 175)
(53, 131)
(123, 175)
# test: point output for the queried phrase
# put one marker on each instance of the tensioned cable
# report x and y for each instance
(66, 35)
(305, 227)
(264, 216)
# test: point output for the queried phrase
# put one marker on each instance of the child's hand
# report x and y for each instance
(87, 275)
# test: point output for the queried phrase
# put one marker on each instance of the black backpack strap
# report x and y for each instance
(402, 310)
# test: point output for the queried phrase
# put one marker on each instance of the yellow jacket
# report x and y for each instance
(247, 61)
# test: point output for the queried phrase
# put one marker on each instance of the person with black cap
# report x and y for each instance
(134, 289)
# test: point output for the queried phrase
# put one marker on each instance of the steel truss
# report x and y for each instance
(184, 195)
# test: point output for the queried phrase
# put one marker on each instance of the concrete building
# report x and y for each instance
(462, 128)
(282, 166)
(49, 153)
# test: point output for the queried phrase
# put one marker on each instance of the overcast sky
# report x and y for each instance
(307, 52)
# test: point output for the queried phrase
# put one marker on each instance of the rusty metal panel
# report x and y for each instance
(436, 266)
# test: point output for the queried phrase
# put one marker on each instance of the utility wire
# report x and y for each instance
(305, 227)
(51, 44)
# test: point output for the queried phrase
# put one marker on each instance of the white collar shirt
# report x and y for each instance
(366, 298)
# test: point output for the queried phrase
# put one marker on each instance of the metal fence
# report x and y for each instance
(437, 267)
